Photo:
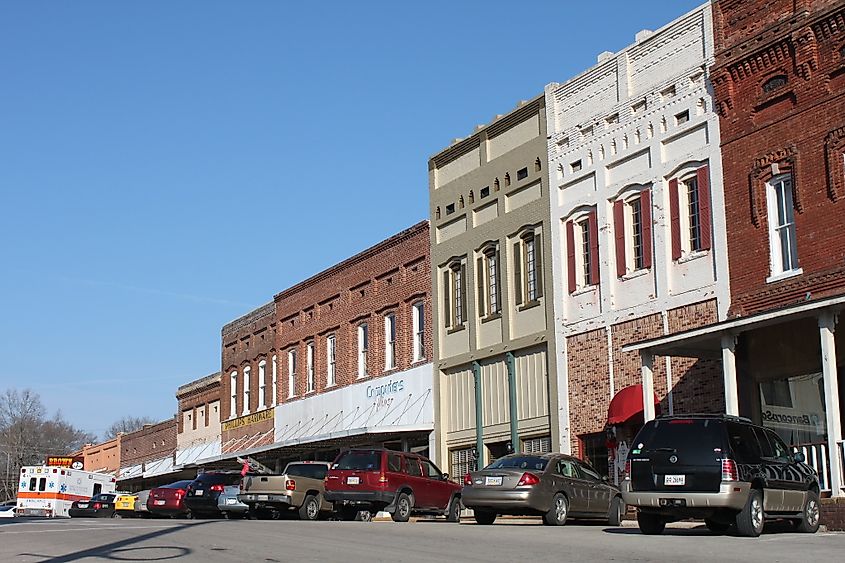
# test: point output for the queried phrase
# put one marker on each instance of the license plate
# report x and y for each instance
(198, 492)
(231, 501)
(263, 497)
(159, 502)
(82, 505)
(674, 480)
(493, 481)
(353, 480)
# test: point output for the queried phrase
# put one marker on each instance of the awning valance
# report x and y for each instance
(626, 404)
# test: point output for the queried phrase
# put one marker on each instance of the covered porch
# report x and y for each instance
(781, 369)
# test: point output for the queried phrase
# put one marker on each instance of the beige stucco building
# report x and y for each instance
(491, 282)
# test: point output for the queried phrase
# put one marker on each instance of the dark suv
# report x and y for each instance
(721, 468)
(363, 482)
(214, 493)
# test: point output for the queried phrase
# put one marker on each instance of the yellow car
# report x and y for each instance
(124, 504)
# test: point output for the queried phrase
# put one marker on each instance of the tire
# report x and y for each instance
(363, 516)
(453, 512)
(310, 509)
(810, 515)
(116, 515)
(557, 514)
(716, 527)
(616, 512)
(650, 524)
(402, 512)
(483, 517)
(749, 522)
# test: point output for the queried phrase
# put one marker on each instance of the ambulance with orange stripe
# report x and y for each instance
(49, 491)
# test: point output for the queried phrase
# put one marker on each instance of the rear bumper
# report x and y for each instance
(731, 496)
(503, 500)
(262, 498)
(195, 504)
(380, 498)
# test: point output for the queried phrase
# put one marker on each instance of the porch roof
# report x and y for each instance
(705, 342)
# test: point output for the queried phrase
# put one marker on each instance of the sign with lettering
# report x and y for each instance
(72, 462)
(249, 419)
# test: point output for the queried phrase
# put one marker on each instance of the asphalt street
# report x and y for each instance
(289, 540)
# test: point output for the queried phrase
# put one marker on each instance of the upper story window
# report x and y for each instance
(782, 236)
(275, 384)
(632, 225)
(454, 295)
(775, 83)
(262, 384)
(247, 370)
(331, 372)
(389, 341)
(418, 321)
(489, 281)
(233, 396)
(582, 251)
(363, 345)
(291, 373)
(309, 367)
(527, 268)
(689, 210)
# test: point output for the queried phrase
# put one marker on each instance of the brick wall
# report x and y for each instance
(195, 396)
(796, 126)
(833, 514)
(589, 384)
(154, 441)
(104, 456)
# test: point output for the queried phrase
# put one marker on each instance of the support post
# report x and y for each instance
(729, 374)
(827, 326)
(479, 416)
(647, 361)
(512, 402)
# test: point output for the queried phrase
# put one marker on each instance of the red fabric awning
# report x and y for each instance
(627, 403)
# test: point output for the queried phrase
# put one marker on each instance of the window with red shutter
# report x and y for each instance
(675, 218)
(619, 228)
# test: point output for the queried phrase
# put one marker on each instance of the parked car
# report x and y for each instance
(7, 509)
(214, 493)
(554, 486)
(141, 503)
(169, 500)
(721, 468)
(124, 504)
(300, 487)
(366, 481)
(99, 506)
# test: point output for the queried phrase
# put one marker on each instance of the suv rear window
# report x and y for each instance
(307, 470)
(694, 440)
(519, 462)
(360, 460)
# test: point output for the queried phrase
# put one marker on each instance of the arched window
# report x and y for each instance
(418, 322)
(538, 165)
(262, 384)
(775, 83)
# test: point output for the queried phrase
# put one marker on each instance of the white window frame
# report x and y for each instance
(418, 325)
(233, 404)
(581, 240)
(363, 346)
(685, 216)
(274, 370)
(331, 361)
(309, 367)
(292, 373)
(632, 234)
(781, 185)
(262, 384)
(389, 341)
(530, 273)
(458, 311)
(247, 371)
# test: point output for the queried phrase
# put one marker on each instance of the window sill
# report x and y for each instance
(694, 255)
(528, 305)
(784, 275)
(635, 274)
(311, 392)
(418, 361)
(245, 413)
(363, 375)
(584, 290)
(455, 329)
(492, 317)
(389, 368)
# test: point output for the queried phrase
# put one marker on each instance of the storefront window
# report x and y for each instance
(794, 408)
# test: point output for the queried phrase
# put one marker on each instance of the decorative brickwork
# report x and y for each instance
(152, 442)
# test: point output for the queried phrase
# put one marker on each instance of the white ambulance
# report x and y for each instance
(49, 491)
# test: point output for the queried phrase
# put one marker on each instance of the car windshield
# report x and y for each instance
(361, 460)
(6, 507)
(519, 462)
(308, 470)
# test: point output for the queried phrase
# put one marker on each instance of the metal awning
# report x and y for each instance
(706, 342)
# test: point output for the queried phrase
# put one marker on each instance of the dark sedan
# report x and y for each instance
(100, 506)
(554, 486)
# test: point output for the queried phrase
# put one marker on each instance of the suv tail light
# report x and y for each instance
(217, 488)
(528, 479)
(290, 485)
(729, 471)
(382, 480)
(467, 480)
(627, 476)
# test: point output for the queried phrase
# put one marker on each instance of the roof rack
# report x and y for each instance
(723, 416)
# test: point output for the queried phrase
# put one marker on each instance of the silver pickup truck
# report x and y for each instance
(299, 487)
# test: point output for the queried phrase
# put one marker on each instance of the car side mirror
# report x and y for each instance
(605, 479)
(798, 457)
(445, 476)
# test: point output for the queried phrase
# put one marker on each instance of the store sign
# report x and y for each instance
(249, 420)
(72, 462)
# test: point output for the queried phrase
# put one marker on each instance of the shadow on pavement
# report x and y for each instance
(119, 550)
(770, 528)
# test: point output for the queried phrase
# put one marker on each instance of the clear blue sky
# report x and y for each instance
(166, 166)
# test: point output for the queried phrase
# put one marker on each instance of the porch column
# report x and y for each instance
(729, 374)
(827, 325)
(647, 360)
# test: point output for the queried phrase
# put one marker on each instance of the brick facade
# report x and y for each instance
(779, 80)
(198, 399)
(152, 442)
(104, 457)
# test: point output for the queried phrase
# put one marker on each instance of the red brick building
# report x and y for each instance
(779, 83)
(359, 328)
(148, 456)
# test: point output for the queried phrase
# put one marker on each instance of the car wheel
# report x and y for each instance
(116, 515)
(402, 512)
(616, 512)
(453, 513)
(809, 522)
(189, 515)
(650, 524)
(363, 516)
(749, 522)
(556, 516)
(484, 517)
(715, 526)
(310, 509)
